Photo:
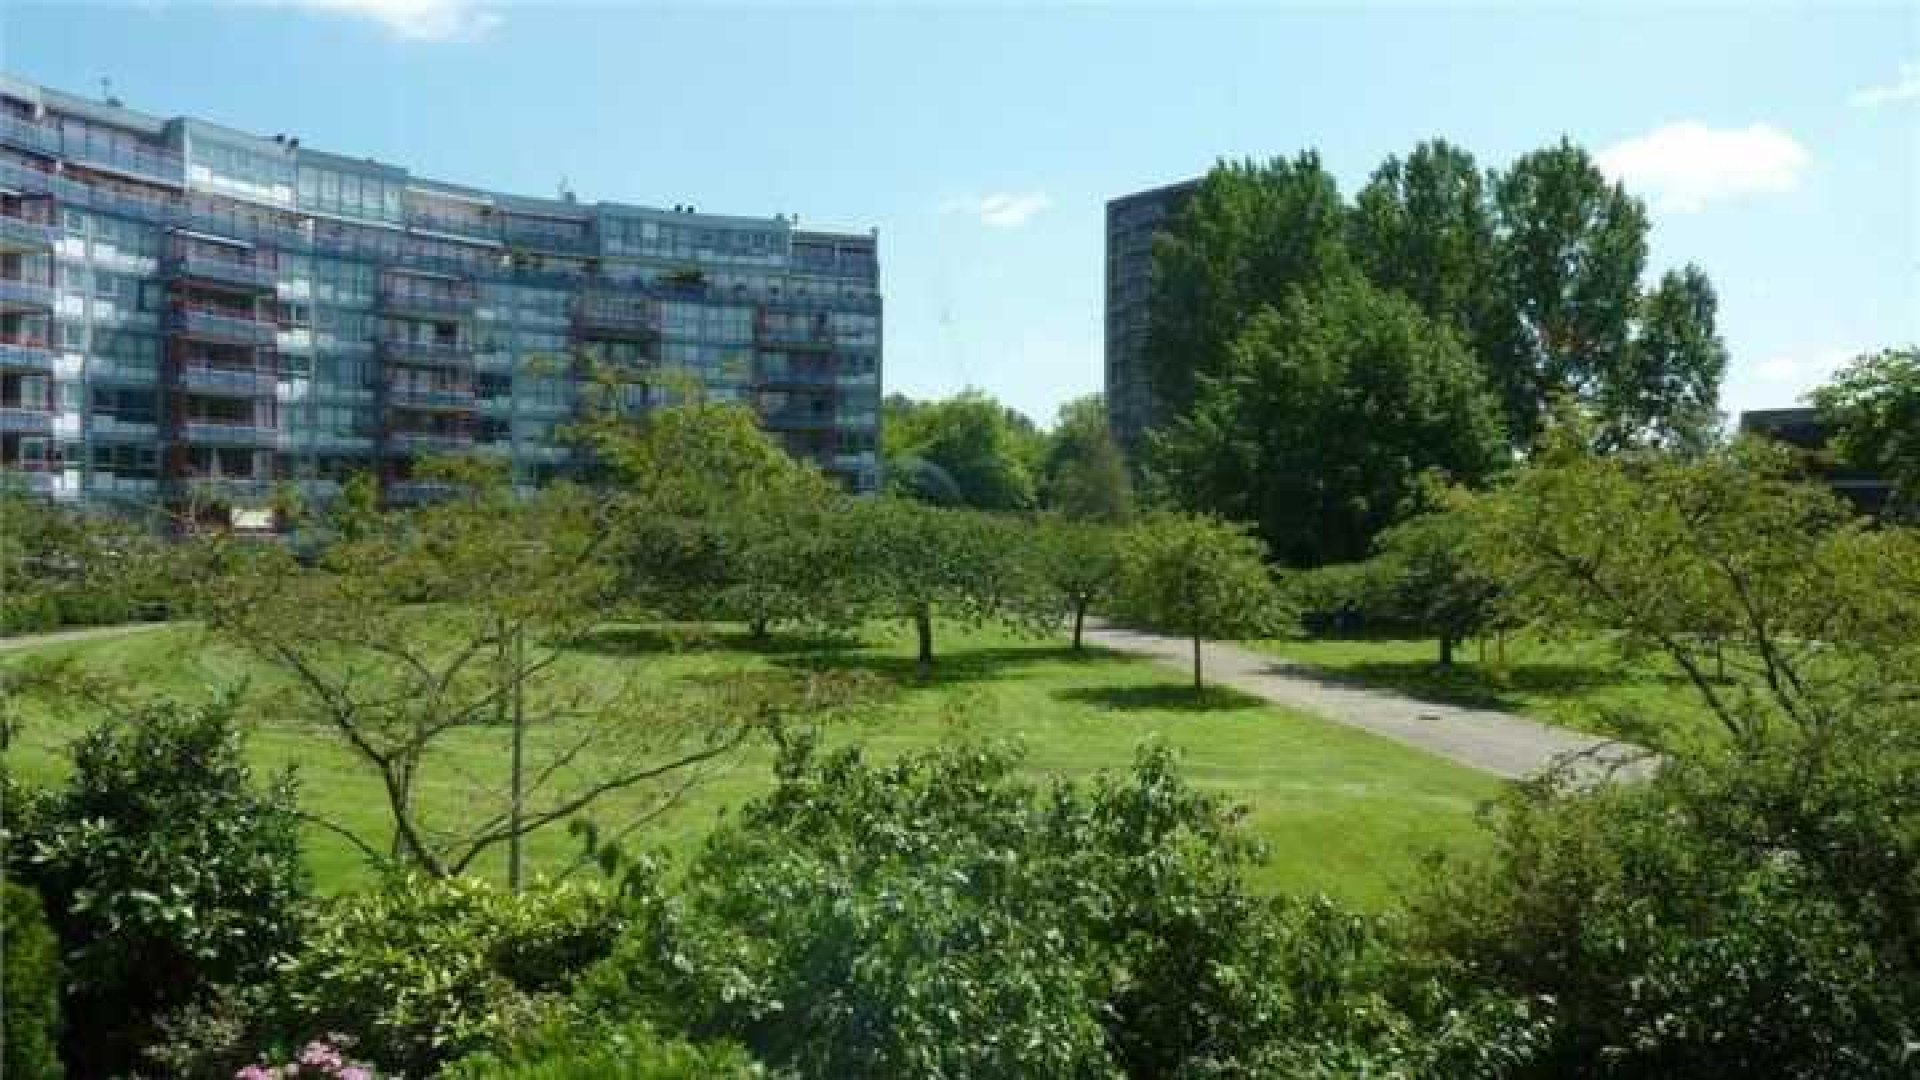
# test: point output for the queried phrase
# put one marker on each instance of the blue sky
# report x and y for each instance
(1778, 146)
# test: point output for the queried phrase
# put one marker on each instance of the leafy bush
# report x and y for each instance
(579, 1051)
(164, 869)
(424, 970)
(29, 987)
(938, 916)
(1752, 915)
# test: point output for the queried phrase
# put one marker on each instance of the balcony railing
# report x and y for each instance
(797, 378)
(224, 327)
(559, 243)
(152, 164)
(812, 338)
(27, 481)
(215, 433)
(30, 134)
(453, 304)
(428, 442)
(18, 293)
(20, 235)
(603, 316)
(26, 355)
(227, 382)
(419, 491)
(221, 487)
(113, 427)
(24, 420)
(254, 274)
(786, 420)
(432, 399)
(432, 353)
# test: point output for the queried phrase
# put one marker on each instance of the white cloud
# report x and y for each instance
(1683, 167)
(414, 20)
(1906, 87)
(1001, 209)
(1803, 369)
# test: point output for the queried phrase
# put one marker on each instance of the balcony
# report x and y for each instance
(21, 236)
(26, 355)
(136, 161)
(221, 326)
(221, 487)
(16, 295)
(428, 442)
(446, 354)
(774, 380)
(617, 317)
(218, 433)
(30, 135)
(24, 480)
(115, 429)
(553, 241)
(794, 338)
(455, 304)
(420, 491)
(26, 420)
(227, 382)
(798, 420)
(252, 273)
(431, 398)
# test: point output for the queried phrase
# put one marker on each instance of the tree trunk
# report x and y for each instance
(1197, 686)
(516, 807)
(923, 630)
(757, 628)
(1446, 650)
(1079, 620)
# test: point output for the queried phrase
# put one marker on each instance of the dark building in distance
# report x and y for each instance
(1132, 222)
(193, 315)
(1804, 428)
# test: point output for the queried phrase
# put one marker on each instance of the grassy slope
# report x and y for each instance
(1344, 812)
(1580, 684)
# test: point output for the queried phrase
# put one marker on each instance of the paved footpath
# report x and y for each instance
(30, 641)
(1500, 743)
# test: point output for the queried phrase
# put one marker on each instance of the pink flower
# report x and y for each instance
(355, 1072)
(255, 1072)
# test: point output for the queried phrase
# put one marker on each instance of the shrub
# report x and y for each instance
(164, 870)
(580, 1051)
(424, 970)
(940, 917)
(1751, 914)
(29, 987)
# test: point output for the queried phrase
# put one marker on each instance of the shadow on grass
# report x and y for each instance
(1163, 697)
(650, 640)
(956, 668)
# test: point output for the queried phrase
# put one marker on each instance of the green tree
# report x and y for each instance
(1332, 411)
(29, 987)
(1199, 577)
(979, 452)
(1666, 392)
(1874, 406)
(1571, 249)
(1080, 562)
(165, 871)
(1248, 237)
(920, 562)
(1424, 228)
(1433, 577)
(1085, 476)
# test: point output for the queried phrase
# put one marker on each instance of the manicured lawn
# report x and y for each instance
(1344, 812)
(1581, 684)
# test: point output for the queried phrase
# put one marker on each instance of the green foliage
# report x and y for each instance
(1571, 248)
(939, 916)
(1326, 420)
(165, 871)
(1085, 477)
(921, 562)
(1251, 235)
(1666, 391)
(1199, 577)
(1746, 914)
(1434, 579)
(59, 567)
(1424, 228)
(29, 988)
(1080, 562)
(1775, 602)
(972, 451)
(1874, 406)
(422, 971)
(586, 1051)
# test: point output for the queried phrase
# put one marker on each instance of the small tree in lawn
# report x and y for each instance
(918, 562)
(450, 625)
(1078, 563)
(1431, 576)
(1200, 577)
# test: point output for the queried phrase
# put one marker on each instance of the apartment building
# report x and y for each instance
(1132, 222)
(192, 315)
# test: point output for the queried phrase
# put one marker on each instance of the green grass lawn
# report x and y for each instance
(1581, 684)
(1344, 812)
